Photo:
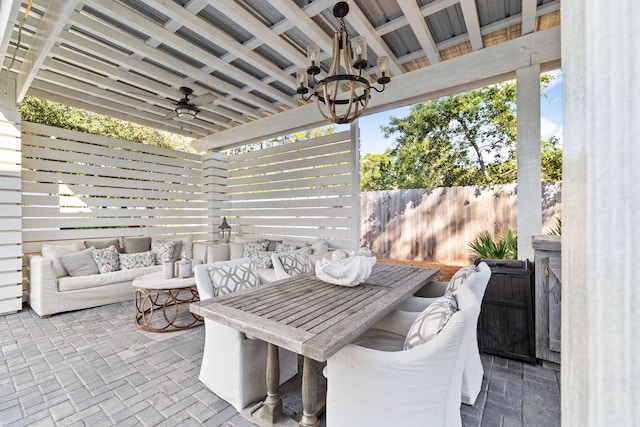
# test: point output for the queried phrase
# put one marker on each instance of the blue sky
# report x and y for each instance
(372, 140)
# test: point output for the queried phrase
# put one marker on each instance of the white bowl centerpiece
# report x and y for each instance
(345, 268)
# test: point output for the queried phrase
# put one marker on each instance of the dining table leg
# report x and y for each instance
(273, 404)
(309, 394)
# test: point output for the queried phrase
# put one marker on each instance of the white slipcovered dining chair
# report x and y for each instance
(375, 381)
(476, 278)
(234, 365)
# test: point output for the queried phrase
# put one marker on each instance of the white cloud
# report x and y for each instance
(556, 81)
(549, 128)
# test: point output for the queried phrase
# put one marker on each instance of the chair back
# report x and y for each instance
(478, 282)
(204, 284)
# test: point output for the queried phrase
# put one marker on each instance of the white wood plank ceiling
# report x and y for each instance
(103, 55)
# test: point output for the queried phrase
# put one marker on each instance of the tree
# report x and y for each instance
(284, 139)
(375, 172)
(37, 110)
(463, 139)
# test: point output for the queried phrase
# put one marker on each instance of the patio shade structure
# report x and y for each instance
(128, 59)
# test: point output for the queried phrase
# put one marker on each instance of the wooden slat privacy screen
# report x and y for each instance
(437, 224)
(78, 186)
(305, 190)
(10, 214)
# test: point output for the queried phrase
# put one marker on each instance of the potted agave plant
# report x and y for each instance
(507, 318)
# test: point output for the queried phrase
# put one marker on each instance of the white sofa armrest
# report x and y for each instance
(43, 286)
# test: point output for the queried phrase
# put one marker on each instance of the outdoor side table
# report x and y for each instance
(158, 303)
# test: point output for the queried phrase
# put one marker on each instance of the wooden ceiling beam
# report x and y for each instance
(411, 11)
(131, 17)
(197, 24)
(135, 80)
(528, 16)
(364, 28)
(51, 92)
(53, 22)
(145, 51)
(152, 73)
(9, 10)
(472, 22)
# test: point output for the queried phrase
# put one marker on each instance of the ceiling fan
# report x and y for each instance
(185, 107)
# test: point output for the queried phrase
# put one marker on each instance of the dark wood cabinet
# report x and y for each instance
(506, 326)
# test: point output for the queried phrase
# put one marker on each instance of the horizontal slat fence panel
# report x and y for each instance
(438, 224)
(10, 212)
(303, 190)
(78, 186)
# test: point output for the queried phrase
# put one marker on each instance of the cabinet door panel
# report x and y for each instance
(555, 294)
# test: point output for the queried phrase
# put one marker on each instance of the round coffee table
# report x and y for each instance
(153, 293)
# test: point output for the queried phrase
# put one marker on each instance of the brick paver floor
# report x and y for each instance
(94, 368)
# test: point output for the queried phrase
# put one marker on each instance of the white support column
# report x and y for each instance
(355, 179)
(601, 224)
(10, 199)
(529, 159)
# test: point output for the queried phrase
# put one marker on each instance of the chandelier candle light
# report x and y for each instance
(342, 98)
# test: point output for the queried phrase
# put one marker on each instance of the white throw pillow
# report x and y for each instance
(460, 277)
(107, 259)
(294, 263)
(254, 251)
(55, 252)
(281, 247)
(431, 321)
(136, 260)
(231, 278)
(162, 251)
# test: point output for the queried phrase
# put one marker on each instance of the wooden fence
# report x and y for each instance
(437, 224)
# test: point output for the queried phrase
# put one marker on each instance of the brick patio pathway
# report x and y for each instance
(95, 368)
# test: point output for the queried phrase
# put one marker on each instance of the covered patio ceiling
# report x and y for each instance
(128, 58)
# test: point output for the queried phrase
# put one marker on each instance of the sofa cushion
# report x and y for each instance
(220, 252)
(96, 280)
(231, 278)
(460, 277)
(54, 252)
(294, 242)
(272, 245)
(281, 247)
(136, 260)
(236, 250)
(80, 263)
(162, 251)
(107, 259)
(319, 247)
(132, 245)
(431, 321)
(253, 250)
(102, 243)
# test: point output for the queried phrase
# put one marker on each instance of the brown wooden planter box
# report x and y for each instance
(506, 326)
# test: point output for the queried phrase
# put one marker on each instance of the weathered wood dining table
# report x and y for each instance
(312, 318)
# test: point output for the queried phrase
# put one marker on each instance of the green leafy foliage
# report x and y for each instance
(503, 246)
(37, 110)
(557, 229)
(463, 139)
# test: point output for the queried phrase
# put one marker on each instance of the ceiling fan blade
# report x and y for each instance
(204, 99)
(170, 115)
(159, 98)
